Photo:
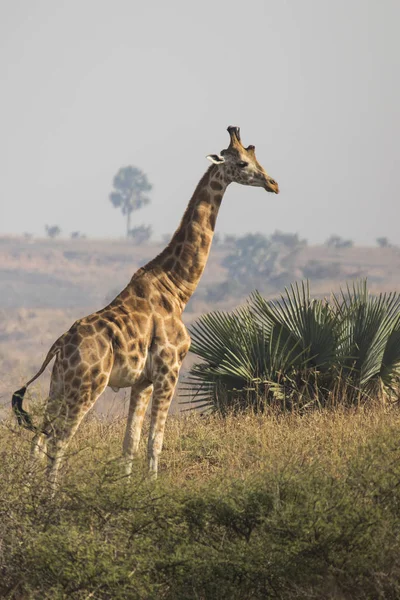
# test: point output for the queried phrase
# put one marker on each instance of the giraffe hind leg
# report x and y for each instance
(39, 441)
(62, 423)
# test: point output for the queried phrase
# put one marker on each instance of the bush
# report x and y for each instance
(141, 234)
(257, 260)
(250, 508)
(383, 242)
(290, 240)
(77, 235)
(52, 231)
(316, 269)
(298, 351)
(335, 241)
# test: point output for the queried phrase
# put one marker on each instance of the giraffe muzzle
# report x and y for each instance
(271, 186)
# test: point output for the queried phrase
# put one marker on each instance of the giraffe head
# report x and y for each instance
(239, 164)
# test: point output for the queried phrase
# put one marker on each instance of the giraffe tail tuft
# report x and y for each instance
(23, 418)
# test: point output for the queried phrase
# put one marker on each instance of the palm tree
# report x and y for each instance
(297, 350)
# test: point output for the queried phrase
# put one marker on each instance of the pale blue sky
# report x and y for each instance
(92, 85)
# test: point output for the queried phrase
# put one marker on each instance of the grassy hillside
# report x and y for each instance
(247, 507)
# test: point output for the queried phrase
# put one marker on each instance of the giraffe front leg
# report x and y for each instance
(140, 396)
(39, 446)
(162, 396)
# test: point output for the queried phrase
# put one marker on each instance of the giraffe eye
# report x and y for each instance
(242, 164)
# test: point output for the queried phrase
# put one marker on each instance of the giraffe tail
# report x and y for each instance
(23, 418)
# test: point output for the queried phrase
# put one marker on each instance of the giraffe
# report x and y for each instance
(139, 340)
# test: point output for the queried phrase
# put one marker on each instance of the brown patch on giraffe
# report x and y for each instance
(178, 249)
(102, 379)
(119, 341)
(165, 303)
(75, 338)
(141, 322)
(86, 329)
(141, 288)
(171, 381)
(101, 344)
(74, 359)
(132, 346)
(130, 330)
(95, 371)
(141, 305)
(81, 369)
(215, 185)
(104, 328)
(204, 196)
(180, 270)
(180, 236)
(187, 256)
(169, 263)
(69, 371)
(195, 272)
(111, 316)
(76, 382)
(158, 362)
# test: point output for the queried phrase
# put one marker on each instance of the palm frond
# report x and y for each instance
(297, 349)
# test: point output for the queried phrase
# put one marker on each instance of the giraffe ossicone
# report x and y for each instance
(139, 339)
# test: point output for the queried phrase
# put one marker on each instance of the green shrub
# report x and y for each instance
(314, 516)
(298, 350)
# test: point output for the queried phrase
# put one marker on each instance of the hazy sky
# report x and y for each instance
(89, 86)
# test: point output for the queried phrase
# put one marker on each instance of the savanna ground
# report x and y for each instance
(250, 506)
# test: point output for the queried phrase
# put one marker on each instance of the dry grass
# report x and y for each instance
(247, 506)
(203, 447)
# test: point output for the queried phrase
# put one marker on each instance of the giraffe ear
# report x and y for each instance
(217, 159)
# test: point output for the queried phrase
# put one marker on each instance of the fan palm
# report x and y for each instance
(239, 359)
(368, 336)
(297, 349)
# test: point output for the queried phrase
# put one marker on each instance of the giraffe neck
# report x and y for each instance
(181, 264)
